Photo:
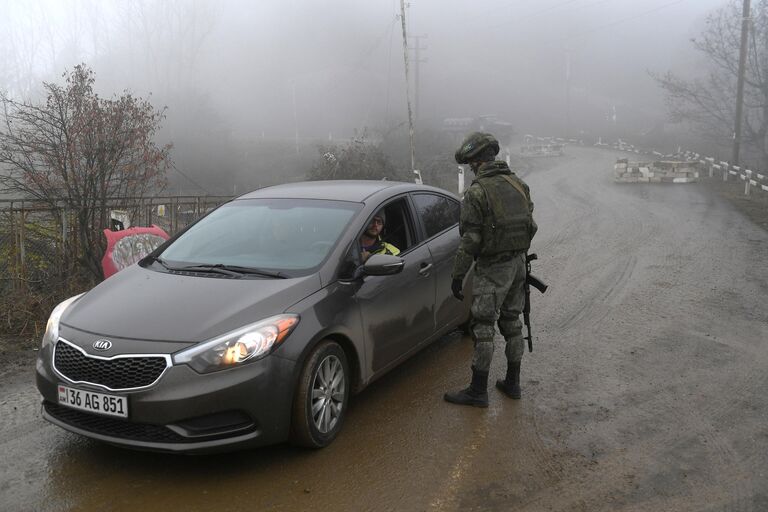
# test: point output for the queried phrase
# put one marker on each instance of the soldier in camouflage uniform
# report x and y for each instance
(496, 230)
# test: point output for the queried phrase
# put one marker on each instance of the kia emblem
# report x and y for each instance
(102, 344)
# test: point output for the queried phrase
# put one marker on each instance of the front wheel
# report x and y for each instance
(322, 396)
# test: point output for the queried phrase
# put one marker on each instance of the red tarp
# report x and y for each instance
(127, 246)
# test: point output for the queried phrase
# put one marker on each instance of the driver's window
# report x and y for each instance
(397, 231)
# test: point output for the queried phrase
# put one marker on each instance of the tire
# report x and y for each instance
(327, 362)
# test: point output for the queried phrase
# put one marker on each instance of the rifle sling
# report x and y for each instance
(517, 186)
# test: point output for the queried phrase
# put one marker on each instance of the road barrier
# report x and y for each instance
(661, 171)
(752, 179)
(542, 146)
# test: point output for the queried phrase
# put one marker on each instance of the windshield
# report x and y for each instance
(280, 235)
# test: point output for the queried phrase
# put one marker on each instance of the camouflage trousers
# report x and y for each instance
(498, 296)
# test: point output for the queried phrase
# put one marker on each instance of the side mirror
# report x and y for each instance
(383, 265)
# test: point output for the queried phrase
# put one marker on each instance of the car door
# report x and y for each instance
(398, 310)
(439, 219)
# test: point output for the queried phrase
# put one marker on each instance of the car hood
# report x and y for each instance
(143, 304)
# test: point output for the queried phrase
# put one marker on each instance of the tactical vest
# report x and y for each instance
(508, 225)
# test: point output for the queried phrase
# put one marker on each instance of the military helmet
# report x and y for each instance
(475, 145)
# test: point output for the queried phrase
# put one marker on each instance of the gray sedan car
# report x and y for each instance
(256, 324)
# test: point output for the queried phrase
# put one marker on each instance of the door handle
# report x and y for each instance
(424, 270)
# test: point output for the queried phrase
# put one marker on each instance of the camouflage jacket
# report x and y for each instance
(484, 232)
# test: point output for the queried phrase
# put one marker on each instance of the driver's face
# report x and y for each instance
(375, 227)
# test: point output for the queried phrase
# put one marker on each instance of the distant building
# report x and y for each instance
(460, 126)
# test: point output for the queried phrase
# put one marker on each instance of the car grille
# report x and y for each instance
(115, 374)
(113, 427)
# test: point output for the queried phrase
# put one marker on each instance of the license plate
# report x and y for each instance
(99, 403)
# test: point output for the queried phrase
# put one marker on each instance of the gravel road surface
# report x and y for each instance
(646, 390)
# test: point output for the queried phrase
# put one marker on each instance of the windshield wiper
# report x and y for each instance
(161, 261)
(255, 271)
(198, 268)
(234, 270)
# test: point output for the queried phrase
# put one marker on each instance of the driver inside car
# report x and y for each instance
(371, 242)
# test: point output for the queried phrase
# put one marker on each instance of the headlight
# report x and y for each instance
(245, 344)
(52, 327)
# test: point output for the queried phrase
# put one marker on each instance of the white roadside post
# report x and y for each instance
(461, 180)
(747, 179)
(724, 165)
(711, 163)
(760, 177)
(736, 171)
(417, 179)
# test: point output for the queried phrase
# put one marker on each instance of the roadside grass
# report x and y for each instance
(17, 354)
(754, 206)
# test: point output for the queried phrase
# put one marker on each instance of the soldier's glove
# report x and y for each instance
(456, 286)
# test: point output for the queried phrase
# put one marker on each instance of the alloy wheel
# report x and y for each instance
(327, 398)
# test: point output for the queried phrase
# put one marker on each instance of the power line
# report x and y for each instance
(619, 21)
(358, 62)
(527, 17)
(364, 55)
(173, 166)
(524, 17)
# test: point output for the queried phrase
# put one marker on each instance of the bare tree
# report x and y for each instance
(78, 150)
(708, 103)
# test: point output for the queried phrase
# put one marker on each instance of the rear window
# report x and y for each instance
(437, 212)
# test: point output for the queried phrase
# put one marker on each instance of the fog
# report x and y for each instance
(232, 73)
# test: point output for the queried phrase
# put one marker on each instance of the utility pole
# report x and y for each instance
(407, 83)
(567, 93)
(295, 117)
(740, 83)
(417, 60)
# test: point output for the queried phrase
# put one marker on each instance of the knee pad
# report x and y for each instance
(510, 328)
(482, 331)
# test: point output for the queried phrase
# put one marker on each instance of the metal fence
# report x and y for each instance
(40, 257)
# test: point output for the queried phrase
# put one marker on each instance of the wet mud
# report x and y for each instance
(645, 390)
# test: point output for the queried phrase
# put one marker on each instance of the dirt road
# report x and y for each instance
(646, 390)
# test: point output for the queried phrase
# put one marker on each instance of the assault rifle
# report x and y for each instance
(530, 280)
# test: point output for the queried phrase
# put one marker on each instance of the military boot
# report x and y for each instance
(511, 385)
(476, 394)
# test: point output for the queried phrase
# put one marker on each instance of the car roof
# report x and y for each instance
(339, 190)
